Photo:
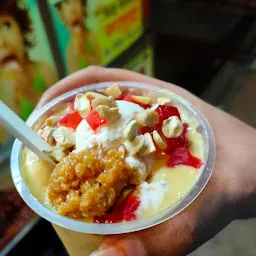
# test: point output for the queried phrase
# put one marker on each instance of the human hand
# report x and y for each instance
(226, 196)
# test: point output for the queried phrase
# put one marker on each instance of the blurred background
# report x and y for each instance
(207, 47)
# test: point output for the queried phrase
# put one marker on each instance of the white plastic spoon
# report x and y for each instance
(20, 130)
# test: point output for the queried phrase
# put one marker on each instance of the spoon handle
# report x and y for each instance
(20, 130)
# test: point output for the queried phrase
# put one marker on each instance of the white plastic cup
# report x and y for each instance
(81, 238)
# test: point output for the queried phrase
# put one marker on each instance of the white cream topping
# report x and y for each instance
(134, 162)
(109, 136)
(140, 170)
(151, 196)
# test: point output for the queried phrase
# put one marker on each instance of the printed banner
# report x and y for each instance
(95, 32)
(26, 65)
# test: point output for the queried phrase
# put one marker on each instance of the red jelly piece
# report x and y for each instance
(165, 112)
(175, 143)
(120, 98)
(131, 206)
(182, 155)
(94, 120)
(71, 120)
(121, 211)
(181, 141)
(146, 129)
(145, 106)
(128, 97)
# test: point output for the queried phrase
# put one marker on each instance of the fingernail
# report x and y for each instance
(125, 247)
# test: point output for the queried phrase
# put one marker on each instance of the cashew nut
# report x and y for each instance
(135, 145)
(163, 100)
(172, 127)
(82, 105)
(114, 90)
(101, 90)
(95, 95)
(131, 130)
(64, 136)
(107, 113)
(141, 99)
(47, 134)
(57, 153)
(107, 101)
(52, 120)
(148, 145)
(147, 117)
(159, 140)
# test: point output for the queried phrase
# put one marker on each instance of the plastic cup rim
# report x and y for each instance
(122, 227)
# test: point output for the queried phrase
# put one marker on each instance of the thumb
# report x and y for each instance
(128, 246)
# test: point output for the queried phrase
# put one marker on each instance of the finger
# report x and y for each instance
(173, 237)
(165, 239)
(127, 246)
(183, 233)
(94, 74)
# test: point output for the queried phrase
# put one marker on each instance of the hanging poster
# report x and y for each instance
(95, 32)
(26, 65)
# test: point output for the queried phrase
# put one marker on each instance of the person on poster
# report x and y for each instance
(22, 80)
(83, 48)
